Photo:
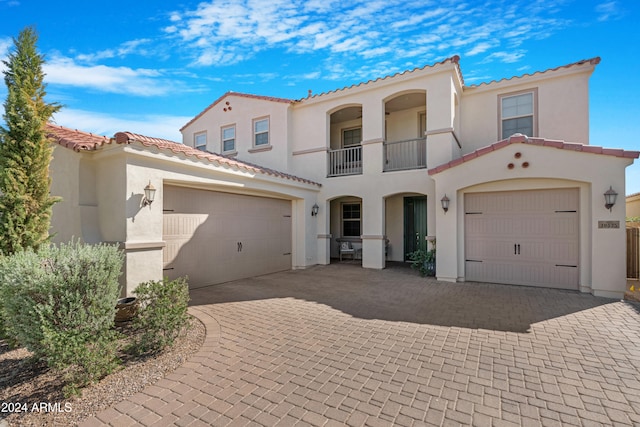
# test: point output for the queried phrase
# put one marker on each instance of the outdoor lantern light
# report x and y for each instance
(610, 198)
(149, 195)
(445, 203)
(314, 210)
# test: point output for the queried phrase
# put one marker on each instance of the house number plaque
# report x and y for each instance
(608, 224)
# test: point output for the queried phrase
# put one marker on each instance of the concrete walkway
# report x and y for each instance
(338, 345)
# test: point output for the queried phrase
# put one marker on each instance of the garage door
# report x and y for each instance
(215, 237)
(523, 237)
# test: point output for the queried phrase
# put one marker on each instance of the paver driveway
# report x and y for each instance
(339, 345)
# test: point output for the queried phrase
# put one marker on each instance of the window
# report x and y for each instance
(351, 220)
(517, 114)
(351, 137)
(228, 139)
(261, 132)
(200, 141)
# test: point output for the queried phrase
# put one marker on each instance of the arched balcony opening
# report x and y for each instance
(405, 143)
(345, 141)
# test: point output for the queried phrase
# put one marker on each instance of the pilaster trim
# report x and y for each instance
(372, 141)
(444, 130)
(310, 151)
(373, 237)
(141, 246)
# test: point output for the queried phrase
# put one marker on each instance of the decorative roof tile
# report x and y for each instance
(592, 61)
(75, 139)
(523, 139)
(453, 60)
(177, 148)
(83, 141)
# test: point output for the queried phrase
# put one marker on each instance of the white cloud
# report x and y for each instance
(125, 49)
(609, 10)
(123, 80)
(158, 126)
(506, 57)
(226, 32)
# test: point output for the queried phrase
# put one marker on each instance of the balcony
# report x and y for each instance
(403, 155)
(345, 161)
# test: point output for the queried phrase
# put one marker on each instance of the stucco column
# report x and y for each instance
(446, 235)
(323, 233)
(373, 235)
(608, 272)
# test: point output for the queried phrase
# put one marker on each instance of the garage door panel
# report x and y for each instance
(525, 237)
(216, 237)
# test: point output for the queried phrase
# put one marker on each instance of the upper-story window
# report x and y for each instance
(261, 132)
(229, 139)
(518, 114)
(351, 137)
(200, 141)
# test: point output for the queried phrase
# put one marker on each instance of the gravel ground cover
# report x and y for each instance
(31, 394)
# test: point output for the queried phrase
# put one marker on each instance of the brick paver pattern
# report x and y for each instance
(338, 345)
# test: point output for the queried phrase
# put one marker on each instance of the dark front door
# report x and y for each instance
(415, 224)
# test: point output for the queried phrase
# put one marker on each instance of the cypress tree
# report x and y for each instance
(25, 152)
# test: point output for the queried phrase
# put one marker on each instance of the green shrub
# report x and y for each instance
(162, 315)
(424, 261)
(59, 303)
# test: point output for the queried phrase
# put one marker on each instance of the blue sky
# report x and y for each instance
(150, 66)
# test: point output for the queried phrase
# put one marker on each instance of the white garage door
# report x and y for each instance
(215, 237)
(523, 237)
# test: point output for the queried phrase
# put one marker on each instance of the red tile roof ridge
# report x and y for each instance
(632, 195)
(178, 148)
(75, 139)
(523, 139)
(592, 61)
(242, 95)
(454, 60)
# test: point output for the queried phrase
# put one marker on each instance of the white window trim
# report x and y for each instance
(222, 140)
(501, 96)
(268, 132)
(342, 219)
(195, 139)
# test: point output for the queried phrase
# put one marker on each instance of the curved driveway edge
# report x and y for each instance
(339, 345)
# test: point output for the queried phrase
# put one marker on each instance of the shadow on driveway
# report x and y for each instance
(399, 294)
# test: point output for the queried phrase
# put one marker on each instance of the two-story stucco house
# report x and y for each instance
(500, 174)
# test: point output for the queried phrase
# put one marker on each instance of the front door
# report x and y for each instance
(415, 224)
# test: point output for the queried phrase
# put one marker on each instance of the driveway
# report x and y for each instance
(341, 345)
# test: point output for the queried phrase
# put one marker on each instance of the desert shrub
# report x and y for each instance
(423, 261)
(162, 315)
(59, 303)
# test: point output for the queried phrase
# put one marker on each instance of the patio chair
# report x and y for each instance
(346, 248)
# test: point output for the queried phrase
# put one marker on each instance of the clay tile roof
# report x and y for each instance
(523, 139)
(592, 61)
(453, 60)
(242, 95)
(177, 148)
(75, 139)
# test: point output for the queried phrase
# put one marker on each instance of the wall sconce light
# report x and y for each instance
(314, 210)
(610, 198)
(445, 203)
(149, 195)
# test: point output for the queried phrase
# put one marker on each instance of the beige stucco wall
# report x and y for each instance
(633, 206)
(242, 114)
(119, 174)
(602, 260)
(563, 107)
